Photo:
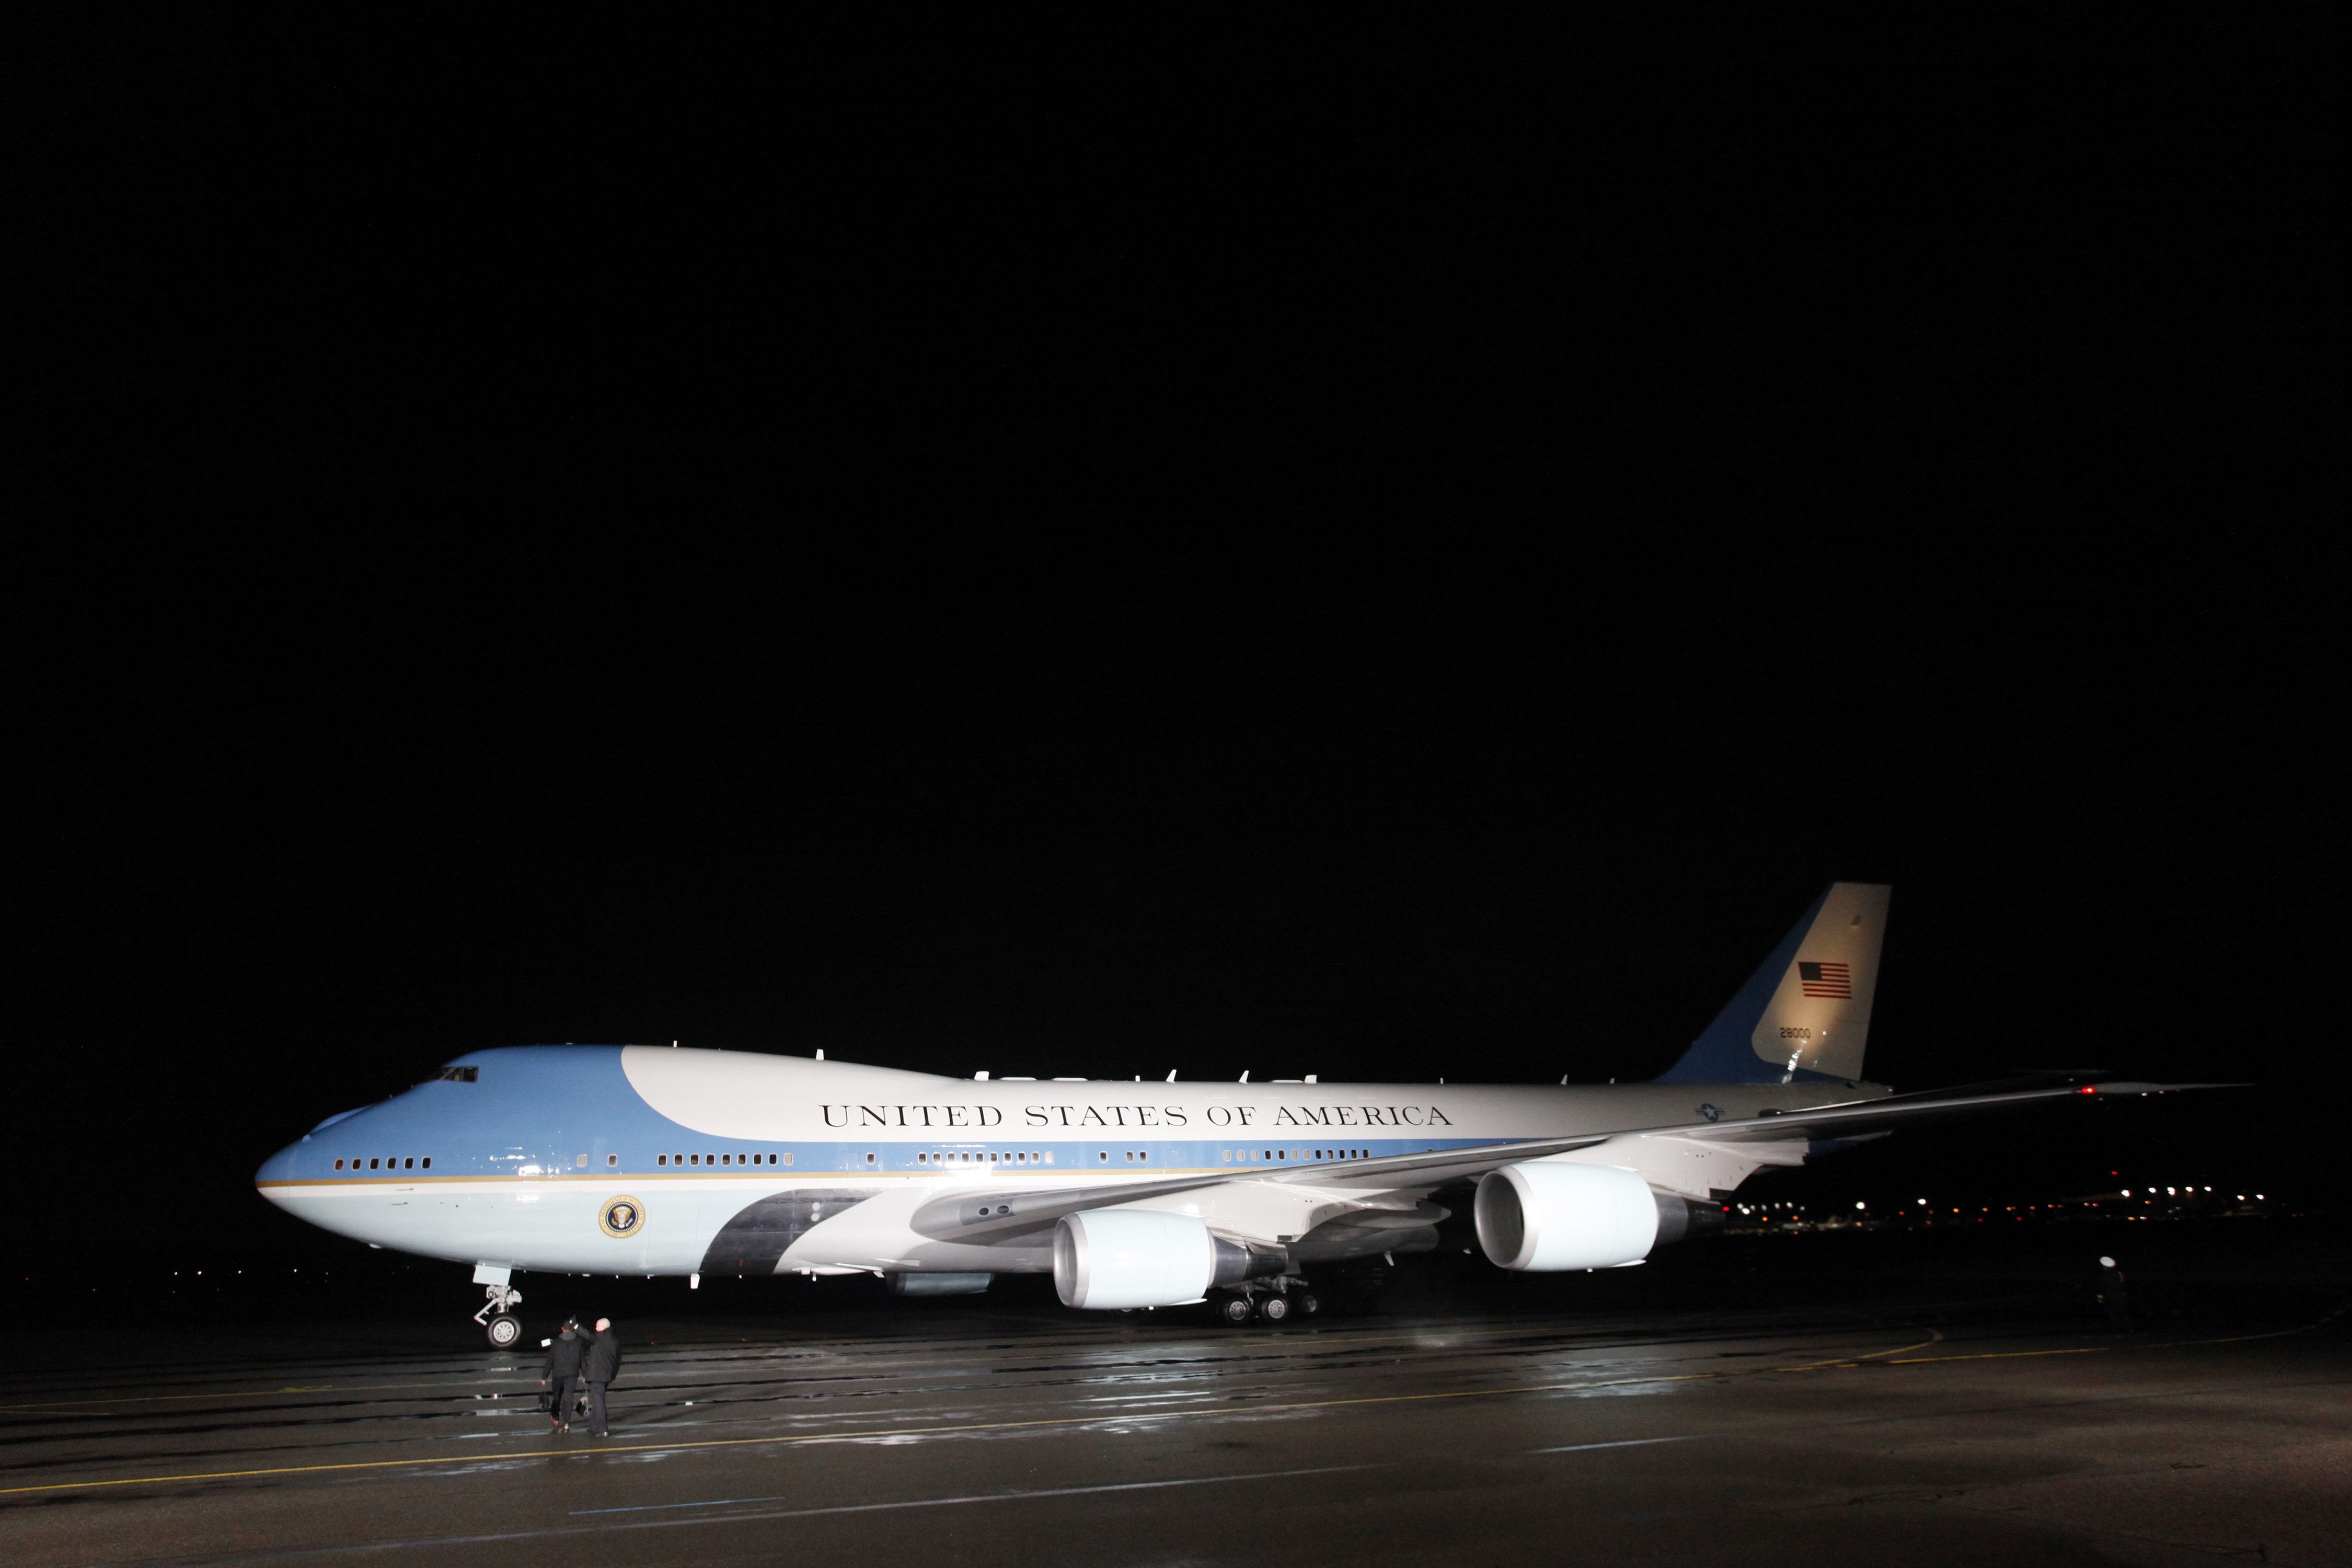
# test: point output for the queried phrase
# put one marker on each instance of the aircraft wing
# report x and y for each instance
(984, 1217)
(1856, 1117)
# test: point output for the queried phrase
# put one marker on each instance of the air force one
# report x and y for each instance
(661, 1161)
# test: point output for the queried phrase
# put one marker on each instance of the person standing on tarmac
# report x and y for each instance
(602, 1363)
(2114, 1296)
(563, 1369)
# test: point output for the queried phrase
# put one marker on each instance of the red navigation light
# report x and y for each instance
(2088, 1089)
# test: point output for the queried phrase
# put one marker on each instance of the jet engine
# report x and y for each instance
(1544, 1216)
(1144, 1257)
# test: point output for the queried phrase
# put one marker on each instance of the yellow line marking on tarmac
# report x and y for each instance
(1933, 1335)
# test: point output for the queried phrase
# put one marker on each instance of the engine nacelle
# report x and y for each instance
(1132, 1257)
(1544, 1216)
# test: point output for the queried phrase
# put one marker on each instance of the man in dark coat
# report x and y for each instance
(603, 1364)
(563, 1359)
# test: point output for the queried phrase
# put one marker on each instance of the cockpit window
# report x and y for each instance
(459, 1075)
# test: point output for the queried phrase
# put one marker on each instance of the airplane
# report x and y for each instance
(664, 1160)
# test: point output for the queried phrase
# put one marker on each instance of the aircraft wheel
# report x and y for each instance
(1274, 1309)
(1234, 1310)
(1307, 1304)
(505, 1330)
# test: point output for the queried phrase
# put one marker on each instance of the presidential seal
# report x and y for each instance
(622, 1217)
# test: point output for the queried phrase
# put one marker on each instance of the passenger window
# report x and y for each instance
(581, 1162)
(609, 1160)
(788, 1159)
(1145, 1156)
(373, 1163)
(869, 1156)
(411, 1163)
(1105, 1155)
(694, 1159)
(661, 1159)
(428, 1161)
(338, 1165)
(1049, 1156)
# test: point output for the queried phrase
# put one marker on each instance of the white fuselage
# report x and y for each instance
(637, 1159)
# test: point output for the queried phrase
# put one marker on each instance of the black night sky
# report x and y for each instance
(1397, 558)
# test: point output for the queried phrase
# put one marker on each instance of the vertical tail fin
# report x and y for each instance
(1806, 1014)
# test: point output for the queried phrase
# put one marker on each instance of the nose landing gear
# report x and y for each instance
(503, 1329)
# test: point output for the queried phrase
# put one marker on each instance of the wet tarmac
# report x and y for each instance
(1928, 1430)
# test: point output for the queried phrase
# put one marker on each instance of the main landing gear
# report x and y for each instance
(1274, 1304)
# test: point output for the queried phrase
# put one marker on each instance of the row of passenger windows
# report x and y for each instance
(1268, 1156)
(948, 1157)
(991, 1157)
(724, 1159)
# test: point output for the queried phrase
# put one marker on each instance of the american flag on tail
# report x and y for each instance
(1826, 979)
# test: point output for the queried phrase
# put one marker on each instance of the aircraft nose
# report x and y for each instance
(285, 1165)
